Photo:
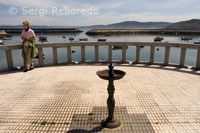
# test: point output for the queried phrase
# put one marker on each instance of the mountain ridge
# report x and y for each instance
(120, 25)
(130, 25)
(193, 24)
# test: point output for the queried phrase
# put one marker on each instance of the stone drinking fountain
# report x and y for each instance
(111, 75)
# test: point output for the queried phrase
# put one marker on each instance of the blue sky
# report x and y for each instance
(46, 12)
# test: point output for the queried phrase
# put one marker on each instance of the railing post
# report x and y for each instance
(137, 54)
(55, 56)
(96, 53)
(124, 54)
(69, 55)
(167, 51)
(198, 59)
(152, 54)
(182, 57)
(110, 53)
(9, 59)
(40, 52)
(83, 54)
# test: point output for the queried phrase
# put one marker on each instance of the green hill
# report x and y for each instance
(193, 24)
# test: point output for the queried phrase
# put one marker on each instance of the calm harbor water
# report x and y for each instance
(103, 50)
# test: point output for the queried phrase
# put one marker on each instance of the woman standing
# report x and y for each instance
(28, 46)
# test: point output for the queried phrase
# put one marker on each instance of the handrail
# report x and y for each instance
(45, 45)
(54, 46)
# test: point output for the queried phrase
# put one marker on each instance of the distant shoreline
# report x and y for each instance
(142, 31)
(49, 30)
(174, 32)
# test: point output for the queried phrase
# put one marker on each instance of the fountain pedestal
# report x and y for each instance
(111, 75)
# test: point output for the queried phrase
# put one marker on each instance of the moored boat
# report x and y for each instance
(101, 40)
(118, 47)
(1, 42)
(42, 38)
(186, 38)
(73, 51)
(71, 39)
(83, 39)
(197, 42)
(158, 39)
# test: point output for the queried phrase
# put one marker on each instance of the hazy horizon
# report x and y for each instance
(84, 25)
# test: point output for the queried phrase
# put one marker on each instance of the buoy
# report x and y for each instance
(157, 49)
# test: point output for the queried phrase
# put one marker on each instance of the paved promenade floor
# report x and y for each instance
(67, 99)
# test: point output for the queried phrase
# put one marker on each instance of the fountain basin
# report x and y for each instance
(116, 74)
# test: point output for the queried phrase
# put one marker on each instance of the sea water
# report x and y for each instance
(103, 50)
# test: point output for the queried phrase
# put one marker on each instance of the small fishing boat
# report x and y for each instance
(64, 37)
(7, 38)
(37, 57)
(71, 39)
(83, 39)
(42, 38)
(118, 47)
(186, 38)
(101, 40)
(158, 39)
(197, 42)
(73, 51)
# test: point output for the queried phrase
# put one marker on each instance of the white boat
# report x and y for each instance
(1, 42)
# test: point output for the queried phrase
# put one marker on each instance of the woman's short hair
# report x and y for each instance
(27, 23)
